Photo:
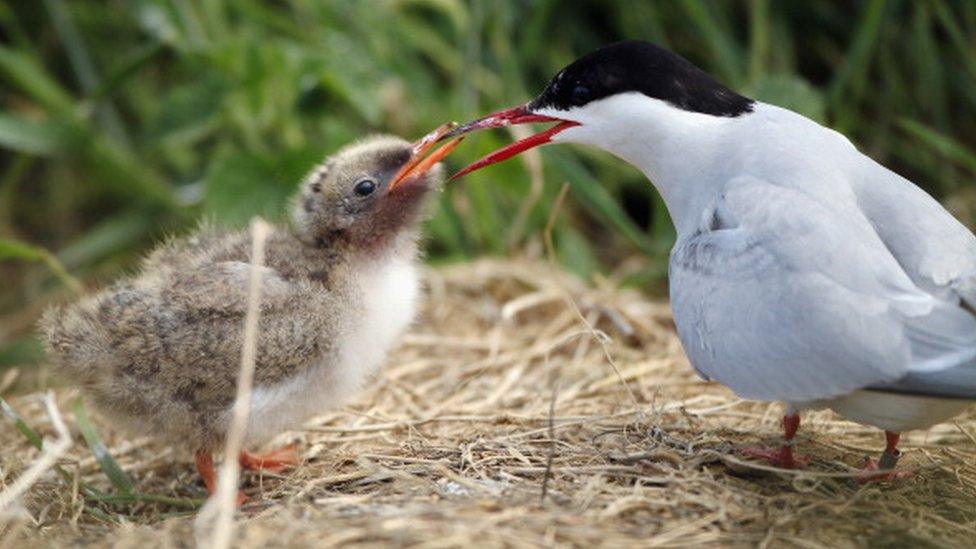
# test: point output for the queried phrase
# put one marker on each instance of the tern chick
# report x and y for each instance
(160, 352)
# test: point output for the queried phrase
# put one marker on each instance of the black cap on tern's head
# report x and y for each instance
(629, 67)
(642, 67)
(368, 192)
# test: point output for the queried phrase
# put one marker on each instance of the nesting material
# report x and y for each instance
(528, 408)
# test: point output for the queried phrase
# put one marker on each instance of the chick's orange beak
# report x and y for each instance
(418, 165)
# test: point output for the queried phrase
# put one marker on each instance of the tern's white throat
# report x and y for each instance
(676, 149)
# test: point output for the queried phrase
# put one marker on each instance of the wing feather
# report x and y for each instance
(785, 298)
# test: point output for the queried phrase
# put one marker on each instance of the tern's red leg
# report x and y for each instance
(205, 466)
(882, 470)
(782, 456)
(274, 461)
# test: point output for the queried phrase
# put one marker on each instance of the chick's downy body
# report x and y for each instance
(160, 352)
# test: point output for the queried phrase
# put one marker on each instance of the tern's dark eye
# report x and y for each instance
(364, 187)
(580, 95)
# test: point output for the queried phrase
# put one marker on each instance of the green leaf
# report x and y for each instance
(13, 249)
(16, 250)
(595, 197)
(941, 143)
(126, 231)
(105, 460)
(24, 350)
(725, 51)
(849, 78)
(42, 138)
(126, 68)
(576, 252)
(21, 425)
(188, 112)
(792, 92)
(27, 74)
(242, 185)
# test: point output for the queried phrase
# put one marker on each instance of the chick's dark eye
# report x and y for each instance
(364, 187)
(580, 95)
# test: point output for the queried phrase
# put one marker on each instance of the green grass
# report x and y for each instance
(125, 121)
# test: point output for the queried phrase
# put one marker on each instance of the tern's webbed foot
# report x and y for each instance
(883, 469)
(782, 457)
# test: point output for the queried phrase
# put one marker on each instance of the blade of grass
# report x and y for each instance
(84, 69)
(88, 492)
(21, 425)
(105, 460)
(191, 503)
(595, 197)
(48, 459)
(27, 74)
(21, 251)
(39, 138)
(941, 143)
(759, 31)
(128, 66)
(35, 439)
(722, 46)
(958, 37)
(854, 70)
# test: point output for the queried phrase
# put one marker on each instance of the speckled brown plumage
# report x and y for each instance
(160, 352)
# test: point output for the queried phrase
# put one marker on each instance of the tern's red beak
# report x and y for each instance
(418, 165)
(509, 117)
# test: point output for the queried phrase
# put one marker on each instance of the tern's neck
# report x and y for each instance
(681, 152)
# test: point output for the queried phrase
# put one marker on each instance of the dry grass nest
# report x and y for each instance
(525, 408)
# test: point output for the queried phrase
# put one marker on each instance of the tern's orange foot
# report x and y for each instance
(872, 473)
(781, 457)
(274, 461)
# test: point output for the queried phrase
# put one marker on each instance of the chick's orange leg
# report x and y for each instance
(205, 466)
(274, 461)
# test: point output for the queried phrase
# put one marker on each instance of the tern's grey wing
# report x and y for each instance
(782, 298)
(934, 248)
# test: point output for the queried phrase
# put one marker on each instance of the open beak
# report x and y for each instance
(508, 117)
(418, 164)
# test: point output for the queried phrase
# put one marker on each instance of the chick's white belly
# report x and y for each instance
(388, 293)
(891, 411)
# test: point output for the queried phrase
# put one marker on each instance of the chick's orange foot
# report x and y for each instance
(205, 466)
(274, 461)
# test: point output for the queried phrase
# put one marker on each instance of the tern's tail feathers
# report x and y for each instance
(956, 382)
(943, 345)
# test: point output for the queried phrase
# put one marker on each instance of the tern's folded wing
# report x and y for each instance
(781, 297)
(934, 248)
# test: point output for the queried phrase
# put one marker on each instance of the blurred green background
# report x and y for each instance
(125, 121)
